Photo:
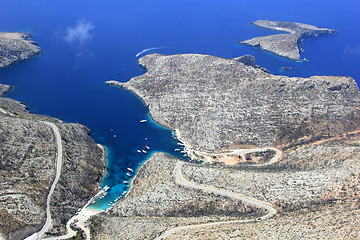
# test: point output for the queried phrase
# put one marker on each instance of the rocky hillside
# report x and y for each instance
(27, 169)
(315, 189)
(15, 47)
(285, 45)
(156, 202)
(216, 103)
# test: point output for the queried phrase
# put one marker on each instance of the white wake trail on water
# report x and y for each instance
(147, 50)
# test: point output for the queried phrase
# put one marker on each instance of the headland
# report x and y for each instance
(215, 103)
(16, 47)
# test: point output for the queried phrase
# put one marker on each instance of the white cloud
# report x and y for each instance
(352, 51)
(80, 33)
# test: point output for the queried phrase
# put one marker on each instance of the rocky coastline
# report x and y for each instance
(16, 47)
(156, 202)
(27, 169)
(212, 104)
(27, 159)
(286, 45)
(215, 103)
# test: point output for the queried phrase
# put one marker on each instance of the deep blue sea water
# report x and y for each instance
(86, 43)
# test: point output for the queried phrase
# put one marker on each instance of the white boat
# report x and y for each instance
(143, 121)
(139, 151)
(125, 182)
(183, 151)
(106, 188)
(114, 135)
(129, 169)
(144, 151)
(177, 150)
(147, 147)
(128, 174)
(181, 144)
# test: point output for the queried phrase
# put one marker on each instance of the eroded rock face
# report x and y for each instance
(216, 103)
(285, 45)
(27, 169)
(15, 47)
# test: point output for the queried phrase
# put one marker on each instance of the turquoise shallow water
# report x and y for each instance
(86, 43)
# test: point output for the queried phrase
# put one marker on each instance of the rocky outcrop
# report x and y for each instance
(4, 89)
(15, 47)
(216, 103)
(27, 169)
(285, 45)
(249, 60)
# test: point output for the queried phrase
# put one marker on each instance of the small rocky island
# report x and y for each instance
(15, 47)
(286, 45)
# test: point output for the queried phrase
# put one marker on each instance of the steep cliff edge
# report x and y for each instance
(15, 47)
(285, 45)
(216, 103)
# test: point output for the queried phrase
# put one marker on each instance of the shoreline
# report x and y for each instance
(121, 85)
(135, 176)
(104, 159)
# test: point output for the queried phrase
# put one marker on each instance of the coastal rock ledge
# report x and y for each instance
(215, 103)
(286, 45)
(15, 47)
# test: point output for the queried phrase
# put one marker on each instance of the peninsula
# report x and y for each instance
(286, 45)
(215, 103)
(221, 108)
(15, 47)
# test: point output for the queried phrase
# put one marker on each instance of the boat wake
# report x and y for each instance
(147, 50)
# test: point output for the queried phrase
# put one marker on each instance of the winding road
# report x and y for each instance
(85, 214)
(47, 224)
(182, 181)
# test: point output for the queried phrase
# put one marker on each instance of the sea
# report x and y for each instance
(86, 43)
